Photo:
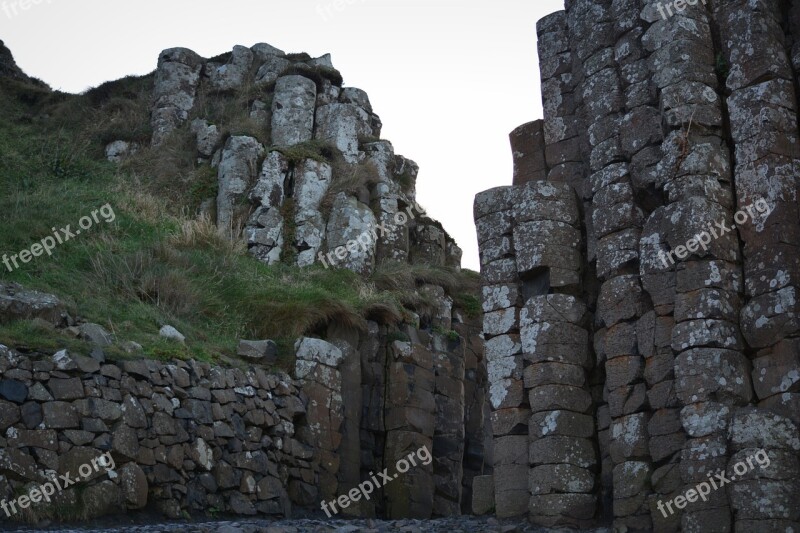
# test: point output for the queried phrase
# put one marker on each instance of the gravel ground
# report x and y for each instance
(464, 524)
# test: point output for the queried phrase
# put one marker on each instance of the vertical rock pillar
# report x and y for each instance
(502, 301)
(317, 367)
(410, 421)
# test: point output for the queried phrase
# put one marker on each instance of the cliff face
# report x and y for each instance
(640, 276)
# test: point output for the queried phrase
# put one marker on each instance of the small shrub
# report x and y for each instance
(289, 212)
(205, 185)
(316, 150)
(367, 139)
(469, 303)
(349, 179)
(298, 56)
(406, 181)
(316, 74)
(221, 58)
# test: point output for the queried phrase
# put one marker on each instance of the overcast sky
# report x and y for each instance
(449, 78)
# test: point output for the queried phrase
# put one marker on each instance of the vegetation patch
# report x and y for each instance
(316, 150)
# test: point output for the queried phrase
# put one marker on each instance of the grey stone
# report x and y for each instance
(293, 107)
(96, 334)
(13, 391)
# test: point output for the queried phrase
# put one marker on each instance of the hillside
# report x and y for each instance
(162, 260)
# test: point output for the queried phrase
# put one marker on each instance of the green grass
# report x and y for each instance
(317, 150)
(156, 264)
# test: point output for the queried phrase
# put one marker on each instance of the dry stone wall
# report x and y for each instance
(187, 437)
(642, 333)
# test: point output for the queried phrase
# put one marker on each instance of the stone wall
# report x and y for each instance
(632, 373)
(190, 437)
(185, 437)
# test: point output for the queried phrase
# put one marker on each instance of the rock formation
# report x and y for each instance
(303, 176)
(313, 182)
(636, 346)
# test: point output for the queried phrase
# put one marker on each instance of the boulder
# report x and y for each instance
(18, 303)
(96, 334)
(168, 332)
(263, 352)
(293, 108)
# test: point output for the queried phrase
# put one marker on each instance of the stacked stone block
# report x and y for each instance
(527, 145)
(184, 437)
(410, 421)
(538, 385)
(373, 355)
(564, 147)
(449, 433)
(556, 356)
(477, 460)
(762, 108)
(694, 343)
(562, 451)
(502, 301)
(317, 368)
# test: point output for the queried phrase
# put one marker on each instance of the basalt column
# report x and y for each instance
(763, 114)
(677, 126)
(502, 301)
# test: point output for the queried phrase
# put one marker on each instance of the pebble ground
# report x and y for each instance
(463, 524)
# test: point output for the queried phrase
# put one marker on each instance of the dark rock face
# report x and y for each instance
(616, 319)
(374, 400)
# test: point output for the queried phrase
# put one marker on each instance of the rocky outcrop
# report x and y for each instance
(642, 330)
(311, 182)
(176, 81)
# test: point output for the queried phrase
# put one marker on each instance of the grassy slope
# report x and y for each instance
(153, 265)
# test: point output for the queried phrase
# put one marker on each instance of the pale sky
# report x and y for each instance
(449, 78)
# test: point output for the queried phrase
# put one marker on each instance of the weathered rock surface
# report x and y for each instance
(305, 148)
(18, 303)
(635, 203)
(177, 78)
